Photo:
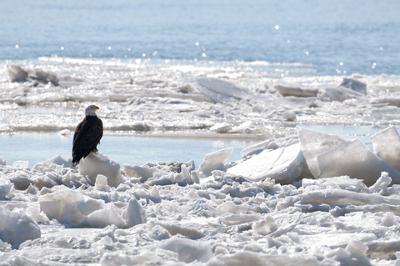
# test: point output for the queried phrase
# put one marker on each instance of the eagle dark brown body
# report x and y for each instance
(86, 137)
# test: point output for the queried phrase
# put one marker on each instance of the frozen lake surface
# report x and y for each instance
(219, 214)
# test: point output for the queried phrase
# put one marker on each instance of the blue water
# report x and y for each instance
(137, 150)
(335, 36)
(133, 150)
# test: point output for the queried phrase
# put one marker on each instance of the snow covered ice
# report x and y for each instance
(141, 96)
(297, 197)
(267, 207)
(17, 227)
(285, 165)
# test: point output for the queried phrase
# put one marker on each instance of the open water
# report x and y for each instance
(333, 36)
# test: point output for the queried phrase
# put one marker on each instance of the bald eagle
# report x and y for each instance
(87, 135)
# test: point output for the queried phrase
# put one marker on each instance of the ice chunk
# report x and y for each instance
(101, 182)
(259, 147)
(140, 126)
(68, 206)
(97, 164)
(4, 246)
(112, 215)
(344, 197)
(221, 128)
(354, 254)
(143, 172)
(17, 73)
(219, 90)
(105, 216)
(393, 101)
(265, 226)
(38, 216)
(315, 143)
(134, 213)
(44, 77)
(384, 247)
(296, 91)
(355, 160)
(389, 219)
(342, 182)
(382, 183)
(255, 258)
(147, 257)
(5, 188)
(289, 116)
(185, 89)
(329, 156)
(386, 145)
(189, 250)
(72, 208)
(21, 180)
(16, 227)
(59, 160)
(159, 233)
(186, 231)
(285, 165)
(338, 94)
(246, 127)
(354, 85)
(215, 161)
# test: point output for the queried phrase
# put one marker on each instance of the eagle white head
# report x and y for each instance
(91, 110)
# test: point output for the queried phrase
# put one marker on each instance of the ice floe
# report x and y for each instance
(332, 156)
(296, 91)
(201, 95)
(222, 219)
(313, 200)
(285, 165)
